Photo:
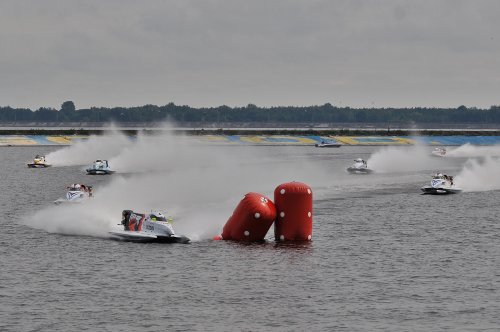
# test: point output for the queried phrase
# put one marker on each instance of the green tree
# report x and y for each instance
(68, 106)
(68, 111)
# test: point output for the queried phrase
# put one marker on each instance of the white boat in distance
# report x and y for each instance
(359, 167)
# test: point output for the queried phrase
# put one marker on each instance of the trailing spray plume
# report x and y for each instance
(471, 151)
(196, 183)
(400, 159)
(479, 175)
(84, 152)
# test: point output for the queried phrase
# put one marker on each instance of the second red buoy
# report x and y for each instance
(294, 205)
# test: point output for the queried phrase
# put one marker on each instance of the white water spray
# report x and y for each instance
(402, 159)
(472, 151)
(198, 184)
(480, 175)
(86, 151)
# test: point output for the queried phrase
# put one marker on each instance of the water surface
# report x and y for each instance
(383, 258)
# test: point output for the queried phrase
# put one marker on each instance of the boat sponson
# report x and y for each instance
(99, 172)
(131, 236)
(38, 165)
(354, 170)
(439, 191)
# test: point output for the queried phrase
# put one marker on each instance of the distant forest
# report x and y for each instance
(326, 113)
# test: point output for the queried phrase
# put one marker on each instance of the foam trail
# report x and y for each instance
(199, 185)
(200, 202)
(479, 176)
(86, 151)
(402, 159)
(74, 219)
(156, 153)
(471, 151)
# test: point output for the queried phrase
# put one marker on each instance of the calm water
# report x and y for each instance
(383, 258)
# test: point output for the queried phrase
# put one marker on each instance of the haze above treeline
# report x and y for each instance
(326, 113)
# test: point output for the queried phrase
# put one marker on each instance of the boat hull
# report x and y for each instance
(99, 172)
(353, 170)
(38, 165)
(145, 237)
(327, 145)
(66, 201)
(428, 190)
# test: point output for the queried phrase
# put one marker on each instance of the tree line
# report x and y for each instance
(251, 113)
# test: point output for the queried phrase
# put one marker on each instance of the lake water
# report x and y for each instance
(383, 257)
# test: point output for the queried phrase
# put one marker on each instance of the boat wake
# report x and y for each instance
(480, 175)
(471, 151)
(402, 159)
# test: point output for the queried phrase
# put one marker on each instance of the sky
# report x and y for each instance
(357, 53)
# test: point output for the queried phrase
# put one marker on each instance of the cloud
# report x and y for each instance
(234, 52)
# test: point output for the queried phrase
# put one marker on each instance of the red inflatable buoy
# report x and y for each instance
(251, 219)
(294, 206)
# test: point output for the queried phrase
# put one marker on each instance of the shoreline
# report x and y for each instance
(54, 131)
(267, 139)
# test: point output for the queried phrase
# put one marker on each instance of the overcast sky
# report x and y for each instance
(235, 52)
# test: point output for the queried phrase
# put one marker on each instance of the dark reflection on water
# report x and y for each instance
(302, 246)
(271, 244)
(380, 260)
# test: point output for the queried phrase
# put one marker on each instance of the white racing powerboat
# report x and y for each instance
(441, 184)
(76, 193)
(438, 152)
(327, 144)
(99, 167)
(39, 162)
(359, 167)
(153, 227)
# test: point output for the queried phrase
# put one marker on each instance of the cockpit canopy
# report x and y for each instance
(442, 176)
(157, 216)
(100, 164)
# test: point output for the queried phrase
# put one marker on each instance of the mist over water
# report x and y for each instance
(85, 152)
(199, 184)
(196, 183)
(479, 175)
(472, 151)
(402, 159)
(478, 172)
